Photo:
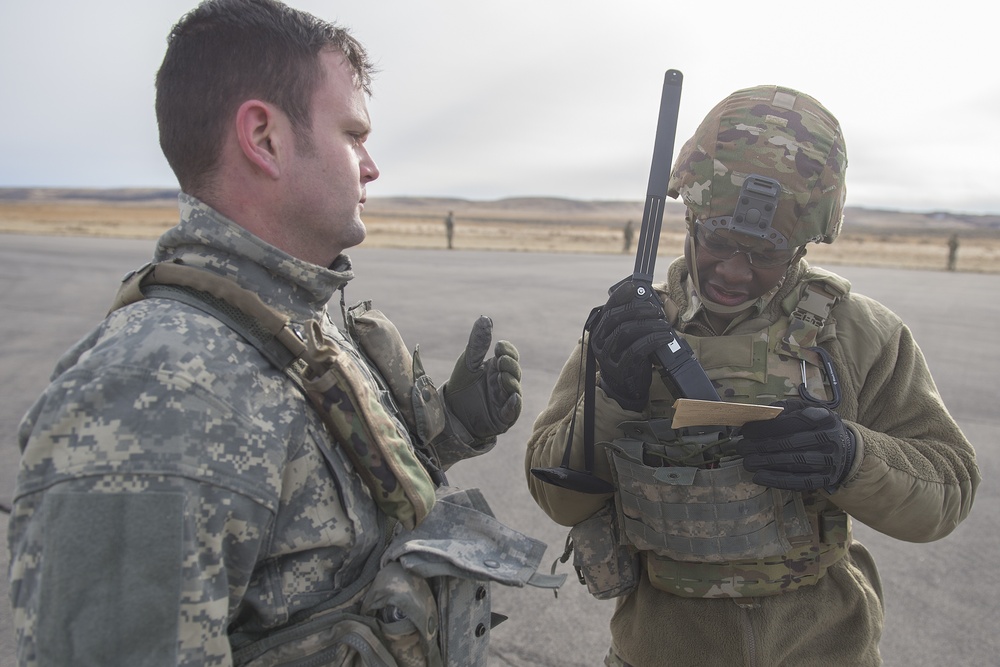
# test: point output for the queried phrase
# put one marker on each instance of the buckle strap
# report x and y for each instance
(815, 304)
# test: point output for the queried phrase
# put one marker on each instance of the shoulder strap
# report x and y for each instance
(819, 292)
(241, 310)
(386, 461)
(809, 308)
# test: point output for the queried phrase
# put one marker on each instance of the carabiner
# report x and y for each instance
(831, 375)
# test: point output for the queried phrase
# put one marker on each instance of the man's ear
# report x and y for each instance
(257, 134)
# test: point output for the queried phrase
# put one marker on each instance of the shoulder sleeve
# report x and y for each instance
(147, 576)
(139, 516)
(917, 476)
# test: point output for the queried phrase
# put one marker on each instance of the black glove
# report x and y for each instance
(485, 394)
(804, 448)
(627, 331)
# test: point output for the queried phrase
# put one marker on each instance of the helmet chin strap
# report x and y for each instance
(718, 308)
(708, 303)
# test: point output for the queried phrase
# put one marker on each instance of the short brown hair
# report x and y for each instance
(225, 52)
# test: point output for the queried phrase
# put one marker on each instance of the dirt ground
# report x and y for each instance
(511, 230)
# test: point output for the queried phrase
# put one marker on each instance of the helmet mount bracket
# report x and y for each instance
(754, 214)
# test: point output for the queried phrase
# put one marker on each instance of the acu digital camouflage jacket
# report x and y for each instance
(176, 483)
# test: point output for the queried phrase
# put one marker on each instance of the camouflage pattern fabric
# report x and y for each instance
(429, 604)
(709, 531)
(396, 626)
(421, 402)
(381, 453)
(383, 345)
(602, 559)
(764, 366)
(791, 138)
(802, 565)
(704, 515)
(460, 549)
(163, 399)
(355, 414)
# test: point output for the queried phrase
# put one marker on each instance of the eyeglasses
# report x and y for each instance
(721, 247)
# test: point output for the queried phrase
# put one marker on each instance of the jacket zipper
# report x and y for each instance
(748, 633)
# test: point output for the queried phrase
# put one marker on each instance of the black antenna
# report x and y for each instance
(680, 370)
(659, 175)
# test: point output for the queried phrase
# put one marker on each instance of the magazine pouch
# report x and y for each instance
(606, 565)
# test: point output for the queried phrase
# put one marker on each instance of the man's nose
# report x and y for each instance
(736, 269)
(369, 170)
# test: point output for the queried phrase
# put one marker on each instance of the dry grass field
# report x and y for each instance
(870, 238)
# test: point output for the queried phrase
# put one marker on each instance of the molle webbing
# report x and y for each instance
(352, 412)
(704, 515)
(708, 530)
(803, 565)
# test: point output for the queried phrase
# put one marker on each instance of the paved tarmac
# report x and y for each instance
(941, 598)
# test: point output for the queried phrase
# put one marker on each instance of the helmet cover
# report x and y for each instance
(774, 133)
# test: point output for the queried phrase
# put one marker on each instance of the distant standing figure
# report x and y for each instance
(449, 228)
(952, 251)
(628, 232)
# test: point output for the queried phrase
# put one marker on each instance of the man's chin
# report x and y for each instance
(357, 235)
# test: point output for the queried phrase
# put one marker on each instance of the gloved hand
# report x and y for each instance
(485, 396)
(627, 331)
(805, 447)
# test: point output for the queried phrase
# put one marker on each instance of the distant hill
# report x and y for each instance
(536, 209)
(111, 195)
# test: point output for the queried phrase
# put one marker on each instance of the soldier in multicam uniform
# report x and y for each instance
(735, 548)
(187, 497)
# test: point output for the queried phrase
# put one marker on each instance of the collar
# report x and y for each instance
(205, 238)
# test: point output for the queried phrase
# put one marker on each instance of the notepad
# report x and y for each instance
(692, 412)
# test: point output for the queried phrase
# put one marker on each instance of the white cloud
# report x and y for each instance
(539, 97)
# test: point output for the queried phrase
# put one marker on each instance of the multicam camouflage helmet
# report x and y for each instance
(772, 133)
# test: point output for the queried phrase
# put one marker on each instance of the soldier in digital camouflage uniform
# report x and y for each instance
(737, 550)
(184, 499)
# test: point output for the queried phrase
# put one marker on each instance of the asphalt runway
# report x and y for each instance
(942, 598)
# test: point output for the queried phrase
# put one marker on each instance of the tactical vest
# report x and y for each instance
(326, 373)
(424, 600)
(687, 505)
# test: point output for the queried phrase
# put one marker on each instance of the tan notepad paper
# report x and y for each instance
(692, 412)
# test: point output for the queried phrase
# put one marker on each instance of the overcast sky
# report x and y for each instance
(484, 100)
